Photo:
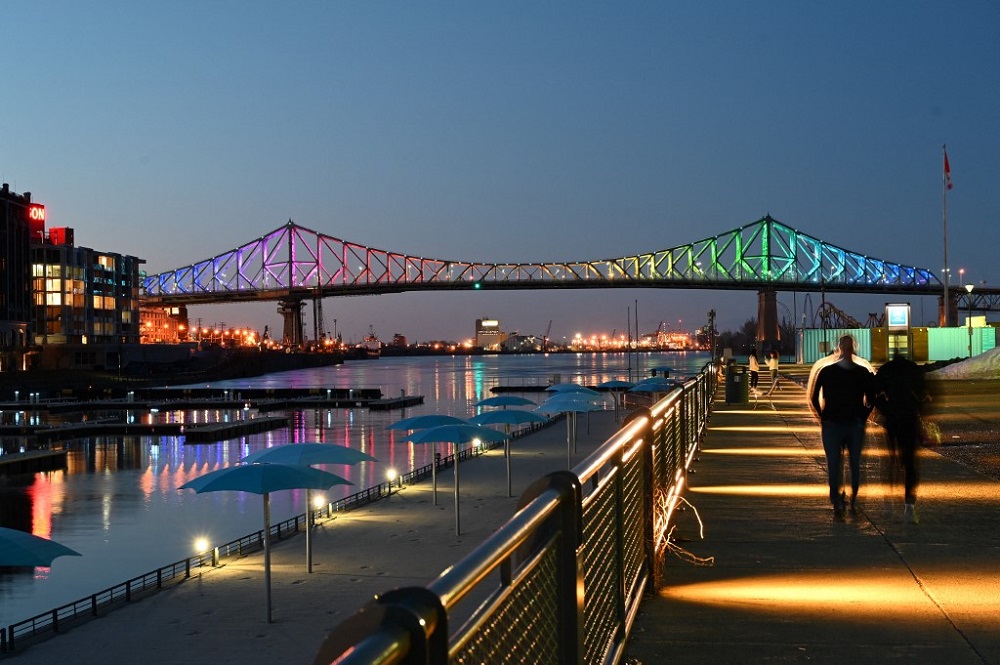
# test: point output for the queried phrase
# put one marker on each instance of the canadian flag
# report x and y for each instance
(947, 171)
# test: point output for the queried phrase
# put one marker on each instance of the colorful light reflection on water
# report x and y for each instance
(118, 504)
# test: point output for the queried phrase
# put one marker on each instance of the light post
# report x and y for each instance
(968, 319)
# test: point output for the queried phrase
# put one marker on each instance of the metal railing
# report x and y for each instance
(561, 581)
(51, 622)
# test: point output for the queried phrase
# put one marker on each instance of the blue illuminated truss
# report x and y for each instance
(295, 262)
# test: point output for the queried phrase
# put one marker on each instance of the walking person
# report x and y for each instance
(843, 396)
(754, 371)
(900, 397)
(772, 364)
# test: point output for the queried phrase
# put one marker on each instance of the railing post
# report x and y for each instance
(569, 578)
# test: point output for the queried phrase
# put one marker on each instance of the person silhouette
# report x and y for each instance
(843, 396)
(900, 397)
(754, 371)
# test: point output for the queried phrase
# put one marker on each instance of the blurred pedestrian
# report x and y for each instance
(843, 396)
(772, 364)
(900, 397)
(754, 371)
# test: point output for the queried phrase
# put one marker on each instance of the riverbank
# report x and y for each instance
(208, 365)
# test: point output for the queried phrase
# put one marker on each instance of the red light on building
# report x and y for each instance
(61, 236)
(35, 213)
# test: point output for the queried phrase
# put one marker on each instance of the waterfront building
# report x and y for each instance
(82, 301)
(18, 216)
(81, 295)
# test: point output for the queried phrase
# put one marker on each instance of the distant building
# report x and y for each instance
(522, 344)
(398, 341)
(163, 325)
(18, 216)
(489, 337)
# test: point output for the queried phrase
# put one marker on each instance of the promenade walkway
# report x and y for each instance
(788, 584)
(218, 616)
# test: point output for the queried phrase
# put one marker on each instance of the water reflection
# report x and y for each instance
(117, 501)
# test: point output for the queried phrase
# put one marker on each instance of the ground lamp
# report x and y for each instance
(263, 479)
(307, 454)
(424, 422)
(507, 418)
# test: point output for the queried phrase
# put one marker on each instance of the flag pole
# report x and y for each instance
(944, 216)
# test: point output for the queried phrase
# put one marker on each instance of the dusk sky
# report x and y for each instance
(509, 132)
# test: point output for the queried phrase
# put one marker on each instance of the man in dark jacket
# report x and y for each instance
(843, 396)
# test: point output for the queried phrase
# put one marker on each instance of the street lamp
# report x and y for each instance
(968, 319)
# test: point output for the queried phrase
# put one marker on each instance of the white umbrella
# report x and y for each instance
(457, 435)
(507, 418)
(263, 479)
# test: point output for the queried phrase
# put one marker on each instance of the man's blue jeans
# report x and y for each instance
(837, 435)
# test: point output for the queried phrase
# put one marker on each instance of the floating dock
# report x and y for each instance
(32, 461)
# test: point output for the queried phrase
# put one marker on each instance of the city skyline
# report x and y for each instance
(559, 132)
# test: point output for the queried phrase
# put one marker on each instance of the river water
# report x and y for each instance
(117, 502)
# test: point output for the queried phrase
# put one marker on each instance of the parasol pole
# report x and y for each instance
(458, 451)
(267, 553)
(309, 546)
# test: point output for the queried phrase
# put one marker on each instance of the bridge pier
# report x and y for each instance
(291, 312)
(768, 332)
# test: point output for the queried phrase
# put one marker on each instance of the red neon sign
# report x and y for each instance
(36, 212)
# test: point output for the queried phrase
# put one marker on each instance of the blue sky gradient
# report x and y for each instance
(513, 131)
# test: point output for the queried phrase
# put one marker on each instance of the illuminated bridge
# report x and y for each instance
(292, 264)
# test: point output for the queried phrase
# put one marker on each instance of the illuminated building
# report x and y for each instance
(163, 325)
(488, 334)
(83, 296)
(17, 218)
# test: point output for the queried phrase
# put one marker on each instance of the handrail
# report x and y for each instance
(51, 622)
(560, 581)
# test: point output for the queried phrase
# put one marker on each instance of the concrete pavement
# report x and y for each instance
(786, 583)
(783, 582)
(218, 616)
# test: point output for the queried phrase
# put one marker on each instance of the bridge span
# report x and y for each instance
(292, 264)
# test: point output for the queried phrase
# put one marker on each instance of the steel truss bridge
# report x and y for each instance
(293, 263)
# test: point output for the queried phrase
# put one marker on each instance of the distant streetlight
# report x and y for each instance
(968, 319)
